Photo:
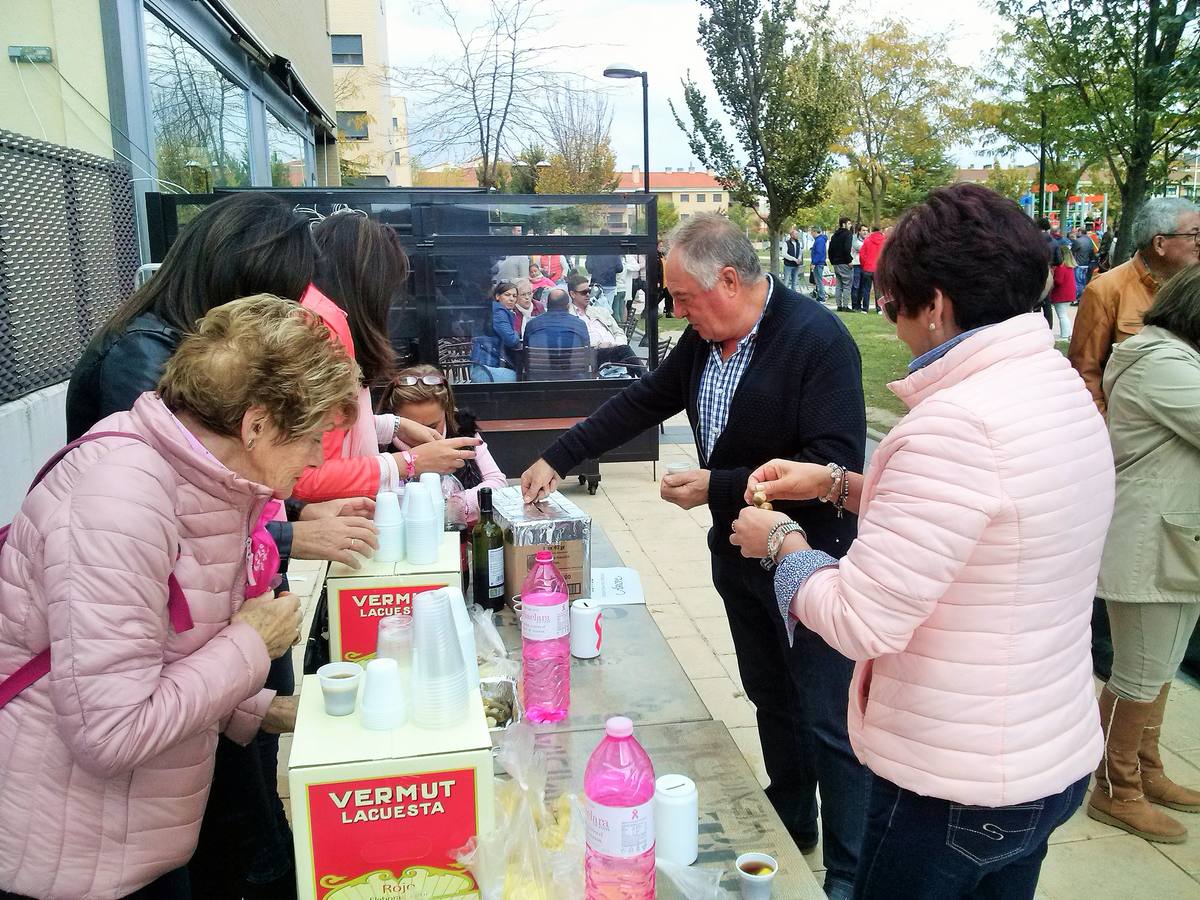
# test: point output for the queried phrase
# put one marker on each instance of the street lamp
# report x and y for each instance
(1042, 148)
(620, 71)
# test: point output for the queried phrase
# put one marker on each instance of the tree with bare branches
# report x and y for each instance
(488, 98)
(581, 161)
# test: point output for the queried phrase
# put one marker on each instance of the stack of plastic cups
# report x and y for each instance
(383, 706)
(466, 633)
(422, 530)
(390, 523)
(433, 484)
(440, 694)
(396, 642)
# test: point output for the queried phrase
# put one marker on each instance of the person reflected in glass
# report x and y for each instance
(538, 278)
(556, 328)
(603, 331)
(495, 355)
(527, 306)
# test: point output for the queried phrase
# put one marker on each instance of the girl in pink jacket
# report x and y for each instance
(966, 598)
(106, 761)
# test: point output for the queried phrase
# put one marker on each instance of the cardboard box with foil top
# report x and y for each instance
(556, 524)
(377, 815)
(360, 598)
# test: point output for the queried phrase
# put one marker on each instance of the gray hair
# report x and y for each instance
(1159, 215)
(708, 242)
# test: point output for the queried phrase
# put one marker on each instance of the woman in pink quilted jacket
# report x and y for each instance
(966, 597)
(106, 760)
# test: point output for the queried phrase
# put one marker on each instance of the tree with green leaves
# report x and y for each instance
(906, 99)
(781, 92)
(1134, 67)
(526, 168)
(1012, 182)
(668, 215)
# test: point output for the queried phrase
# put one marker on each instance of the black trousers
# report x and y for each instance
(801, 694)
(171, 886)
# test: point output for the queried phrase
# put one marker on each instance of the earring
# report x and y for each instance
(932, 326)
(250, 443)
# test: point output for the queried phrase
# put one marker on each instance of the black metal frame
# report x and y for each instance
(519, 400)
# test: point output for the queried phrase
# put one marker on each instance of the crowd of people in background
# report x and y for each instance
(853, 253)
(560, 304)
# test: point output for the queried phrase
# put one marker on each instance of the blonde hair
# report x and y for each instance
(262, 351)
(1068, 257)
(397, 394)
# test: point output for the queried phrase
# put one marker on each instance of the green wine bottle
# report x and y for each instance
(487, 556)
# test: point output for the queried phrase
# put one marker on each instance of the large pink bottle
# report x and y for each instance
(619, 784)
(545, 641)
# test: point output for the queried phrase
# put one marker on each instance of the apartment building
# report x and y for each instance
(372, 118)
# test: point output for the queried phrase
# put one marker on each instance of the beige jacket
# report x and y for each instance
(1110, 311)
(1152, 553)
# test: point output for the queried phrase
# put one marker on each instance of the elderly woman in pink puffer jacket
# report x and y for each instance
(966, 597)
(106, 760)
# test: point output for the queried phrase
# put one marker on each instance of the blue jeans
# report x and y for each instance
(790, 272)
(1081, 277)
(818, 271)
(866, 283)
(924, 848)
(486, 374)
(800, 694)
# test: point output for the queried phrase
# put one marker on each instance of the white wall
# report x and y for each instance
(31, 429)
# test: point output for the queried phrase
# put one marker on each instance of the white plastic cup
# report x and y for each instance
(383, 706)
(677, 468)
(422, 533)
(390, 523)
(440, 694)
(339, 686)
(465, 629)
(395, 640)
(432, 482)
(756, 887)
(676, 819)
(586, 630)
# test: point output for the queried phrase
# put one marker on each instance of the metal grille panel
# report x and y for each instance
(68, 253)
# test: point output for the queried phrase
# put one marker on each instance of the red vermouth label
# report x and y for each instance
(360, 610)
(391, 824)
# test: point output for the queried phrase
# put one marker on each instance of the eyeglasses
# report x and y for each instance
(891, 309)
(413, 380)
(1194, 235)
(582, 290)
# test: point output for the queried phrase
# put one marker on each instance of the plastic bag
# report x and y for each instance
(534, 852)
(676, 882)
(489, 646)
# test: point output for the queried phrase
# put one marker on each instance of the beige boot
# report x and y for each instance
(1118, 799)
(1157, 787)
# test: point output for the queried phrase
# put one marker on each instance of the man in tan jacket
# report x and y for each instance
(1166, 235)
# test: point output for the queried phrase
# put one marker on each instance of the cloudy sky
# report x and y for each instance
(660, 36)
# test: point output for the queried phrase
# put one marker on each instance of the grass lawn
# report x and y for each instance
(884, 359)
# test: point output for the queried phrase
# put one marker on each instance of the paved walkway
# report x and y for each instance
(667, 546)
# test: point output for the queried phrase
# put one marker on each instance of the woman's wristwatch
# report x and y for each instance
(775, 539)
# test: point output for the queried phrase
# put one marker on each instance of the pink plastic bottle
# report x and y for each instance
(545, 641)
(619, 784)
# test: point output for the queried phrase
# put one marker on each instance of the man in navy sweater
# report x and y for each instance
(762, 373)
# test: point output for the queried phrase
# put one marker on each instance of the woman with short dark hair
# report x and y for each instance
(1150, 577)
(966, 597)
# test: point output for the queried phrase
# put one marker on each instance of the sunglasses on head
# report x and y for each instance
(413, 380)
(891, 309)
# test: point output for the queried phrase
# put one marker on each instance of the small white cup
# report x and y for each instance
(677, 468)
(339, 686)
(383, 706)
(756, 887)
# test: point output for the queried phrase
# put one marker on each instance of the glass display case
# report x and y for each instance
(597, 274)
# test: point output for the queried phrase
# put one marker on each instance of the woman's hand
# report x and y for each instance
(751, 528)
(281, 715)
(276, 619)
(442, 456)
(339, 539)
(413, 434)
(360, 507)
(786, 479)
